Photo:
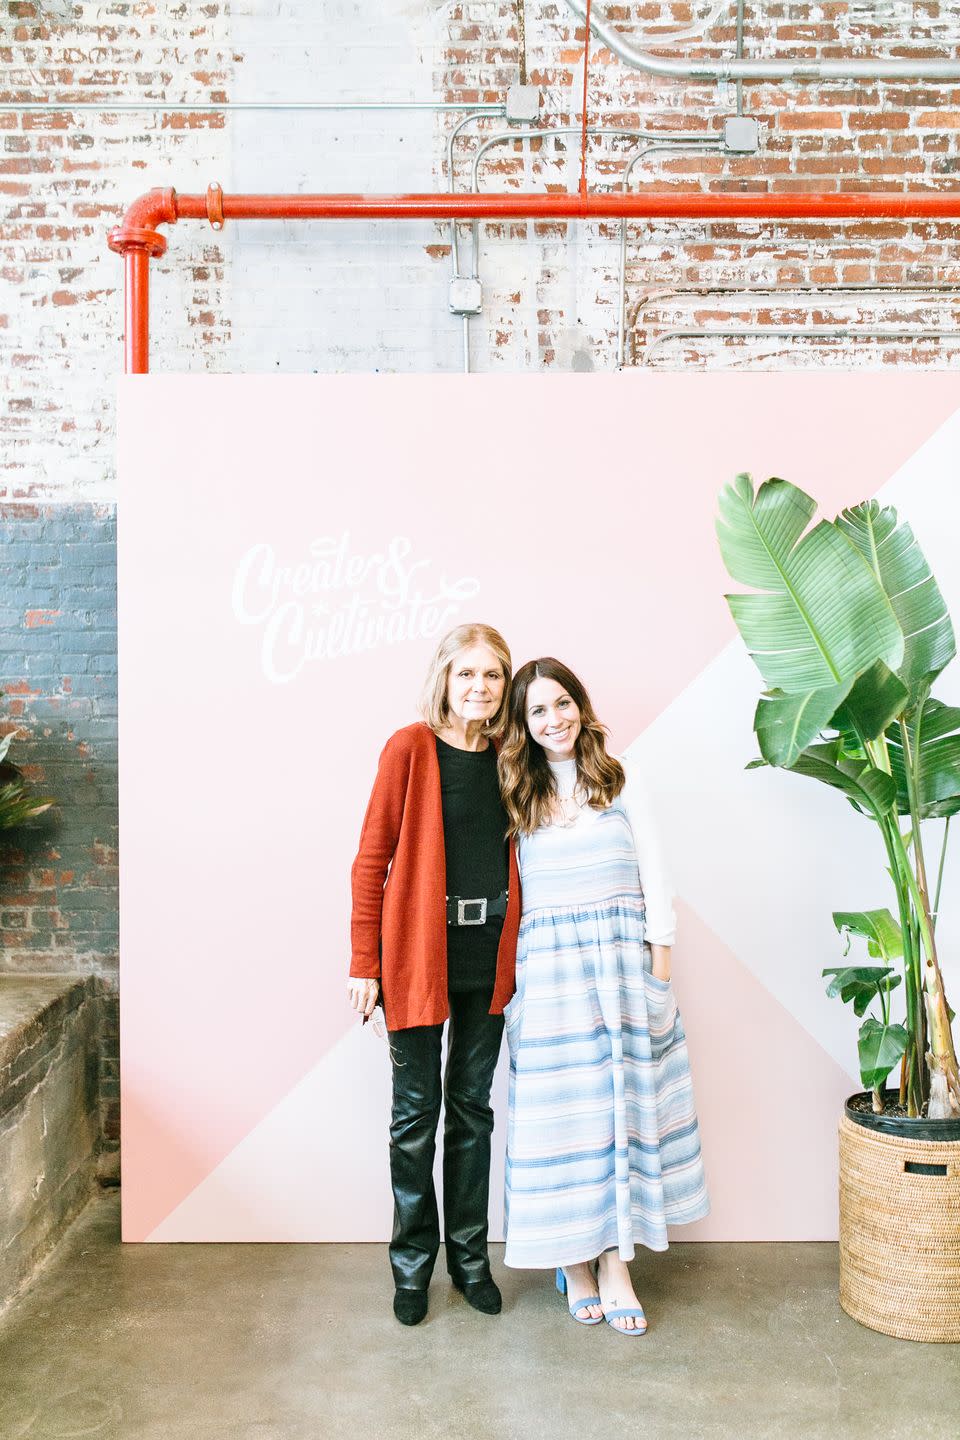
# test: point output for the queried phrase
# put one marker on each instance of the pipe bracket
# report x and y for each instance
(215, 206)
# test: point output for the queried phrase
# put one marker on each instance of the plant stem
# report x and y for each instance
(921, 1074)
(911, 1065)
(910, 763)
(941, 1056)
(943, 856)
(919, 1091)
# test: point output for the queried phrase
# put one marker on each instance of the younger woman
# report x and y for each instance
(603, 1147)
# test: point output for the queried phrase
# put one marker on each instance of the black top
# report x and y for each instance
(474, 831)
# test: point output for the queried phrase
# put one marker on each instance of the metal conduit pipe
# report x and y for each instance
(451, 139)
(718, 70)
(817, 332)
(676, 140)
(707, 145)
(749, 294)
(454, 235)
(137, 238)
(678, 137)
(740, 55)
(502, 136)
(212, 107)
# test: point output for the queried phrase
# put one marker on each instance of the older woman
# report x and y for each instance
(436, 907)
(603, 1149)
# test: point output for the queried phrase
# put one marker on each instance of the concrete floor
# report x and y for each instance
(297, 1342)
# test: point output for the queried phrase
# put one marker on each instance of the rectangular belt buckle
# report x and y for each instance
(479, 919)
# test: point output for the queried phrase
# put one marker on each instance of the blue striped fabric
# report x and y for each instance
(603, 1147)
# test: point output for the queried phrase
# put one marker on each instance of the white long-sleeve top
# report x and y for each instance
(661, 921)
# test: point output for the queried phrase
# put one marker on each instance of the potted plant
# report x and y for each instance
(849, 630)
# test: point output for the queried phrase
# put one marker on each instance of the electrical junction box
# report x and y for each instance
(742, 134)
(466, 295)
(523, 104)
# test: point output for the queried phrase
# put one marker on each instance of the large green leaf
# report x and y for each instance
(934, 735)
(785, 724)
(869, 789)
(878, 928)
(861, 983)
(880, 1047)
(822, 618)
(893, 554)
(875, 699)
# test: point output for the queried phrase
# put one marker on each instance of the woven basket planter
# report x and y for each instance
(900, 1227)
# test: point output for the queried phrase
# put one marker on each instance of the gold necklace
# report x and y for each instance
(567, 810)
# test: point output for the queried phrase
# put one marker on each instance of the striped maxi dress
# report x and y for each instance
(603, 1146)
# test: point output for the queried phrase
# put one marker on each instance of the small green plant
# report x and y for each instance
(17, 802)
(849, 630)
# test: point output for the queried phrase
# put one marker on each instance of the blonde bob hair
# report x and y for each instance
(434, 706)
(527, 784)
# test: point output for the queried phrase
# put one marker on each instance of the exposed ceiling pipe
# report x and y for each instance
(745, 297)
(725, 70)
(740, 54)
(801, 332)
(217, 107)
(167, 206)
(137, 238)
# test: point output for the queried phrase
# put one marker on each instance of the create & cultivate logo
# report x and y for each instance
(341, 601)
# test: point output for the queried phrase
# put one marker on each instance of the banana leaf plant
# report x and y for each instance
(849, 630)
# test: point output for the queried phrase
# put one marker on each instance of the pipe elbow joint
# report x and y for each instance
(138, 228)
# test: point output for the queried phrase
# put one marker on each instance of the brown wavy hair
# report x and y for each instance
(526, 781)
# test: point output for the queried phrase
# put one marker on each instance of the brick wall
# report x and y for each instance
(903, 135)
(58, 875)
(363, 297)
(374, 296)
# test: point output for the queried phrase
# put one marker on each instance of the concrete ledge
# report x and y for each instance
(49, 1115)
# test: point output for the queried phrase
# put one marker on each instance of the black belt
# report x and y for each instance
(463, 911)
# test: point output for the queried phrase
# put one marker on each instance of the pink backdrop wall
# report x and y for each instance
(290, 549)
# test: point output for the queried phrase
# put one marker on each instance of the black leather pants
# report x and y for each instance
(473, 1044)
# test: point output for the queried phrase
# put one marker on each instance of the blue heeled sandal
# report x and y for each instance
(638, 1314)
(575, 1305)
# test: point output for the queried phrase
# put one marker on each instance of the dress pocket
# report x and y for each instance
(511, 1019)
(655, 981)
(661, 1005)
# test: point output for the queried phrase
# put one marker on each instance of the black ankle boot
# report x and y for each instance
(410, 1306)
(483, 1295)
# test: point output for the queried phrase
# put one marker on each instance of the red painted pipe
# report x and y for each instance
(136, 329)
(137, 240)
(137, 231)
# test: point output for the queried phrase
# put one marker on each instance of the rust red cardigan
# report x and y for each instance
(398, 930)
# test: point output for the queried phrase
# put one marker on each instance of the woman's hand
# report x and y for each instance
(363, 996)
(661, 961)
